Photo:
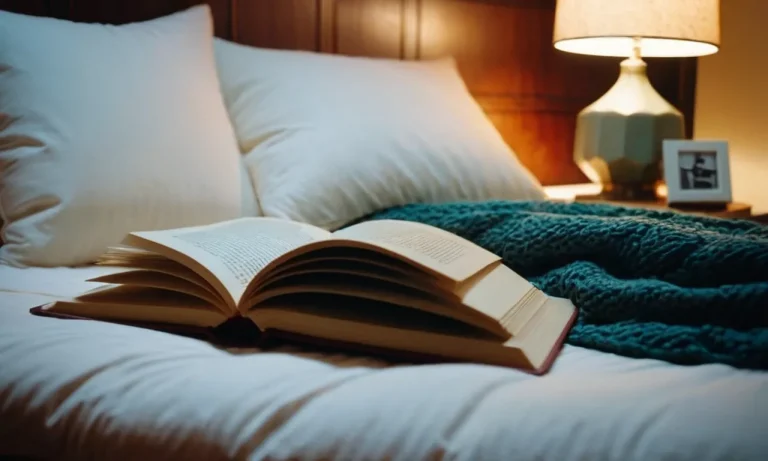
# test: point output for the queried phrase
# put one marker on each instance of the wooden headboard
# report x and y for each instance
(531, 91)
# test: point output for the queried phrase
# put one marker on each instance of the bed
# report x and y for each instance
(91, 390)
(73, 389)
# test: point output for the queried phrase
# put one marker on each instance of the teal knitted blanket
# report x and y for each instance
(656, 284)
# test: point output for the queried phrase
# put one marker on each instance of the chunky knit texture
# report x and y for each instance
(655, 284)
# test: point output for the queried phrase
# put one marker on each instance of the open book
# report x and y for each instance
(391, 286)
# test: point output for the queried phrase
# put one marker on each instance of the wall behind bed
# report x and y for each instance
(530, 91)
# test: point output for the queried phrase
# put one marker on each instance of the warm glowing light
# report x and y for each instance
(662, 28)
(568, 192)
(623, 46)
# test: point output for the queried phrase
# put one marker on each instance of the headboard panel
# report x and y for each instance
(531, 91)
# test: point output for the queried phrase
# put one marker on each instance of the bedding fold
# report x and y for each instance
(653, 284)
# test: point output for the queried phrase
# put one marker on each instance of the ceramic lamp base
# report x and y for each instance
(618, 140)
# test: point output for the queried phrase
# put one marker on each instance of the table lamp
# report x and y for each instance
(618, 140)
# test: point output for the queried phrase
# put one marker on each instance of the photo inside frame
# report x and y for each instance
(698, 169)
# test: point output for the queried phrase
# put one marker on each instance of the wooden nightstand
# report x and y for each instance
(585, 193)
(731, 211)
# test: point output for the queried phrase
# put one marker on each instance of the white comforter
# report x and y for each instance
(86, 389)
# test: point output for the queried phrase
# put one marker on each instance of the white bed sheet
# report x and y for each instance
(91, 390)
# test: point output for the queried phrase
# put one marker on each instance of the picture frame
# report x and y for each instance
(697, 171)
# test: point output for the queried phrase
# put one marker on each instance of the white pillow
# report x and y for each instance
(331, 138)
(109, 129)
(250, 205)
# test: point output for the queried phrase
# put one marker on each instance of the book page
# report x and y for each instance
(140, 304)
(335, 255)
(350, 271)
(442, 252)
(366, 288)
(161, 280)
(503, 295)
(233, 252)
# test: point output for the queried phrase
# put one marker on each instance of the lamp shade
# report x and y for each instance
(665, 28)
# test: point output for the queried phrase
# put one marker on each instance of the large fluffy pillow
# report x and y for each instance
(331, 138)
(109, 129)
